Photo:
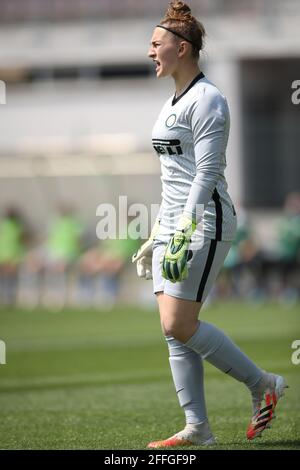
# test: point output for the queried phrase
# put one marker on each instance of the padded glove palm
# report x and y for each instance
(174, 262)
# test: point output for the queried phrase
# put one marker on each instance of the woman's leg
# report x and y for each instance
(179, 317)
(212, 344)
(187, 371)
(180, 324)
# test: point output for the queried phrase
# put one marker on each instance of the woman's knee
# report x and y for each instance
(180, 330)
(170, 328)
(171, 323)
(179, 318)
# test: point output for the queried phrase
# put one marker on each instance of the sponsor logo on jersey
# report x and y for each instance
(170, 121)
(170, 147)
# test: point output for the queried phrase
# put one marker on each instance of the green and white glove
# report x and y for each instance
(143, 257)
(174, 262)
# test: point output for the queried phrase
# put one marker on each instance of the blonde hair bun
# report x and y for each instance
(179, 11)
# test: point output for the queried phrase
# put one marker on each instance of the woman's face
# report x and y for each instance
(164, 52)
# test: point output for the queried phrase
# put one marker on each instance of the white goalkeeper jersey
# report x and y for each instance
(190, 137)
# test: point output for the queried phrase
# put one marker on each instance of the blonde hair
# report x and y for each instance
(179, 20)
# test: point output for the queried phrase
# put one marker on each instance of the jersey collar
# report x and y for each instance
(196, 79)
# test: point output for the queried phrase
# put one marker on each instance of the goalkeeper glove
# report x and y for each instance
(143, 257)
(174, 262)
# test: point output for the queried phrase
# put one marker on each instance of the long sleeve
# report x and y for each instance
(209, 120)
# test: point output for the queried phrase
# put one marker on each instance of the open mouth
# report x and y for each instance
(157, 64)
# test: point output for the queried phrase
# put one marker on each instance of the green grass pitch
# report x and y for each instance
(96, 380)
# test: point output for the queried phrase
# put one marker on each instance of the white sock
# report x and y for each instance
(214, 346)
(187, 371)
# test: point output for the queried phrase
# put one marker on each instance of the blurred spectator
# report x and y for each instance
(259, 273)
(13, 237)
(48, 274)
(289, 230)
(64, 240)
(63, 248)
(287, 256)
(49, 268)
(242, 273)
(101, 270)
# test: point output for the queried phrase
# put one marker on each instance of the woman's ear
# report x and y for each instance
(182, 48)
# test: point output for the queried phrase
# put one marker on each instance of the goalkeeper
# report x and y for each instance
(194, 230)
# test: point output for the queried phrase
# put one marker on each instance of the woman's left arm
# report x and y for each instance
(209, 121)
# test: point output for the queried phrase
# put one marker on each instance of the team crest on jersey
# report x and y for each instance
(170, 121)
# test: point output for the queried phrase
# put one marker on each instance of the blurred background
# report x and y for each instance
(83, 363)
(81, 100)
